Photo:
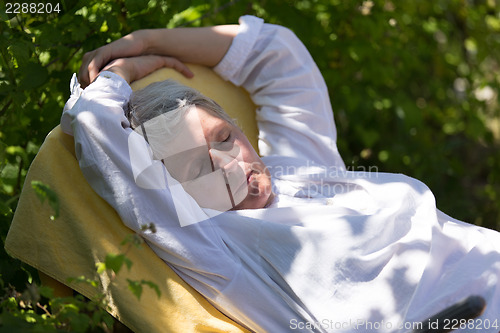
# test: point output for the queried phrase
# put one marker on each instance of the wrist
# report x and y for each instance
(119, 71)
(145, 41)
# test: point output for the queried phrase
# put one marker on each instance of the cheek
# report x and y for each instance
(247, 153)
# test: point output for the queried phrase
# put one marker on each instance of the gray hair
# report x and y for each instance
(166, 96)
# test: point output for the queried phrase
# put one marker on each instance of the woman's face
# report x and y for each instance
(247, 178)
(214, 162)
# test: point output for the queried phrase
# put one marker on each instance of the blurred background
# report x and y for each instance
(414, 85)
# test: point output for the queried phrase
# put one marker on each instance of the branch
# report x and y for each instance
(6, 106)
(44, 308)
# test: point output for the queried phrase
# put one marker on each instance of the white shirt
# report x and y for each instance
(337, 251)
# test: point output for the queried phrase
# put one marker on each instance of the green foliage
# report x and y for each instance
(115, 262)
(25, 311)
(414, 88)
(37, 310)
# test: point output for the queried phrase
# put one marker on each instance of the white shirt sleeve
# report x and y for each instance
(104, 151)
(294, 113)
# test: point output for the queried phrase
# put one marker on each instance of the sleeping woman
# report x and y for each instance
(285, 240)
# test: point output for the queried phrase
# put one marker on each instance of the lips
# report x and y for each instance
(249, 175)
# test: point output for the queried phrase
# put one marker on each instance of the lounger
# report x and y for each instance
(88, 229)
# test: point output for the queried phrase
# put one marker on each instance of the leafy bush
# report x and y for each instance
(37, 308)
(414, 85)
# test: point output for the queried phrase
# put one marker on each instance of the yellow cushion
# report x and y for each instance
(88, 229)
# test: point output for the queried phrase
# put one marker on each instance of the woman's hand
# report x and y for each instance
(135, 68)
(131, 45)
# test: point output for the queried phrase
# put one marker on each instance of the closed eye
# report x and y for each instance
(227, 138)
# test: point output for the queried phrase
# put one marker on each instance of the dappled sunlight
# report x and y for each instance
(302, 235)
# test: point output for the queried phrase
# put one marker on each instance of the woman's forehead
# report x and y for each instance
(211, 124)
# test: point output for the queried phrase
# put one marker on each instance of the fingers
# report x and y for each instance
(131, 69)
(92, 64)
(178, 66)
(83, 74)
(93, 69)
(130, 45)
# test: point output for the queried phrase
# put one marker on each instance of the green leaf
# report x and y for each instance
(133, 239)
(135, 287)
(43, 192)
(3, 16)
(21, 51)
(4, 209)
(134, 6)
(189, 14)
(83, 279)
(46, 292)
(107, 319)
(101, 267)
(116, 261)
(33, 75)
(3, 154)
(153, 286)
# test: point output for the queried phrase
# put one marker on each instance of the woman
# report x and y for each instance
(326, 250)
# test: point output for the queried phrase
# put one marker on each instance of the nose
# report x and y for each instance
(222, 153)
(228, 163)
(222, 159)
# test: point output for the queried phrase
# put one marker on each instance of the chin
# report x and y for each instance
(251, 202)
(258, 200)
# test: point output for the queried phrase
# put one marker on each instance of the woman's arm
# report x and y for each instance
(294, 113)
(204, 46)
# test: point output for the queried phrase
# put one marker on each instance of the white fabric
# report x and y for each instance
(337, 251)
